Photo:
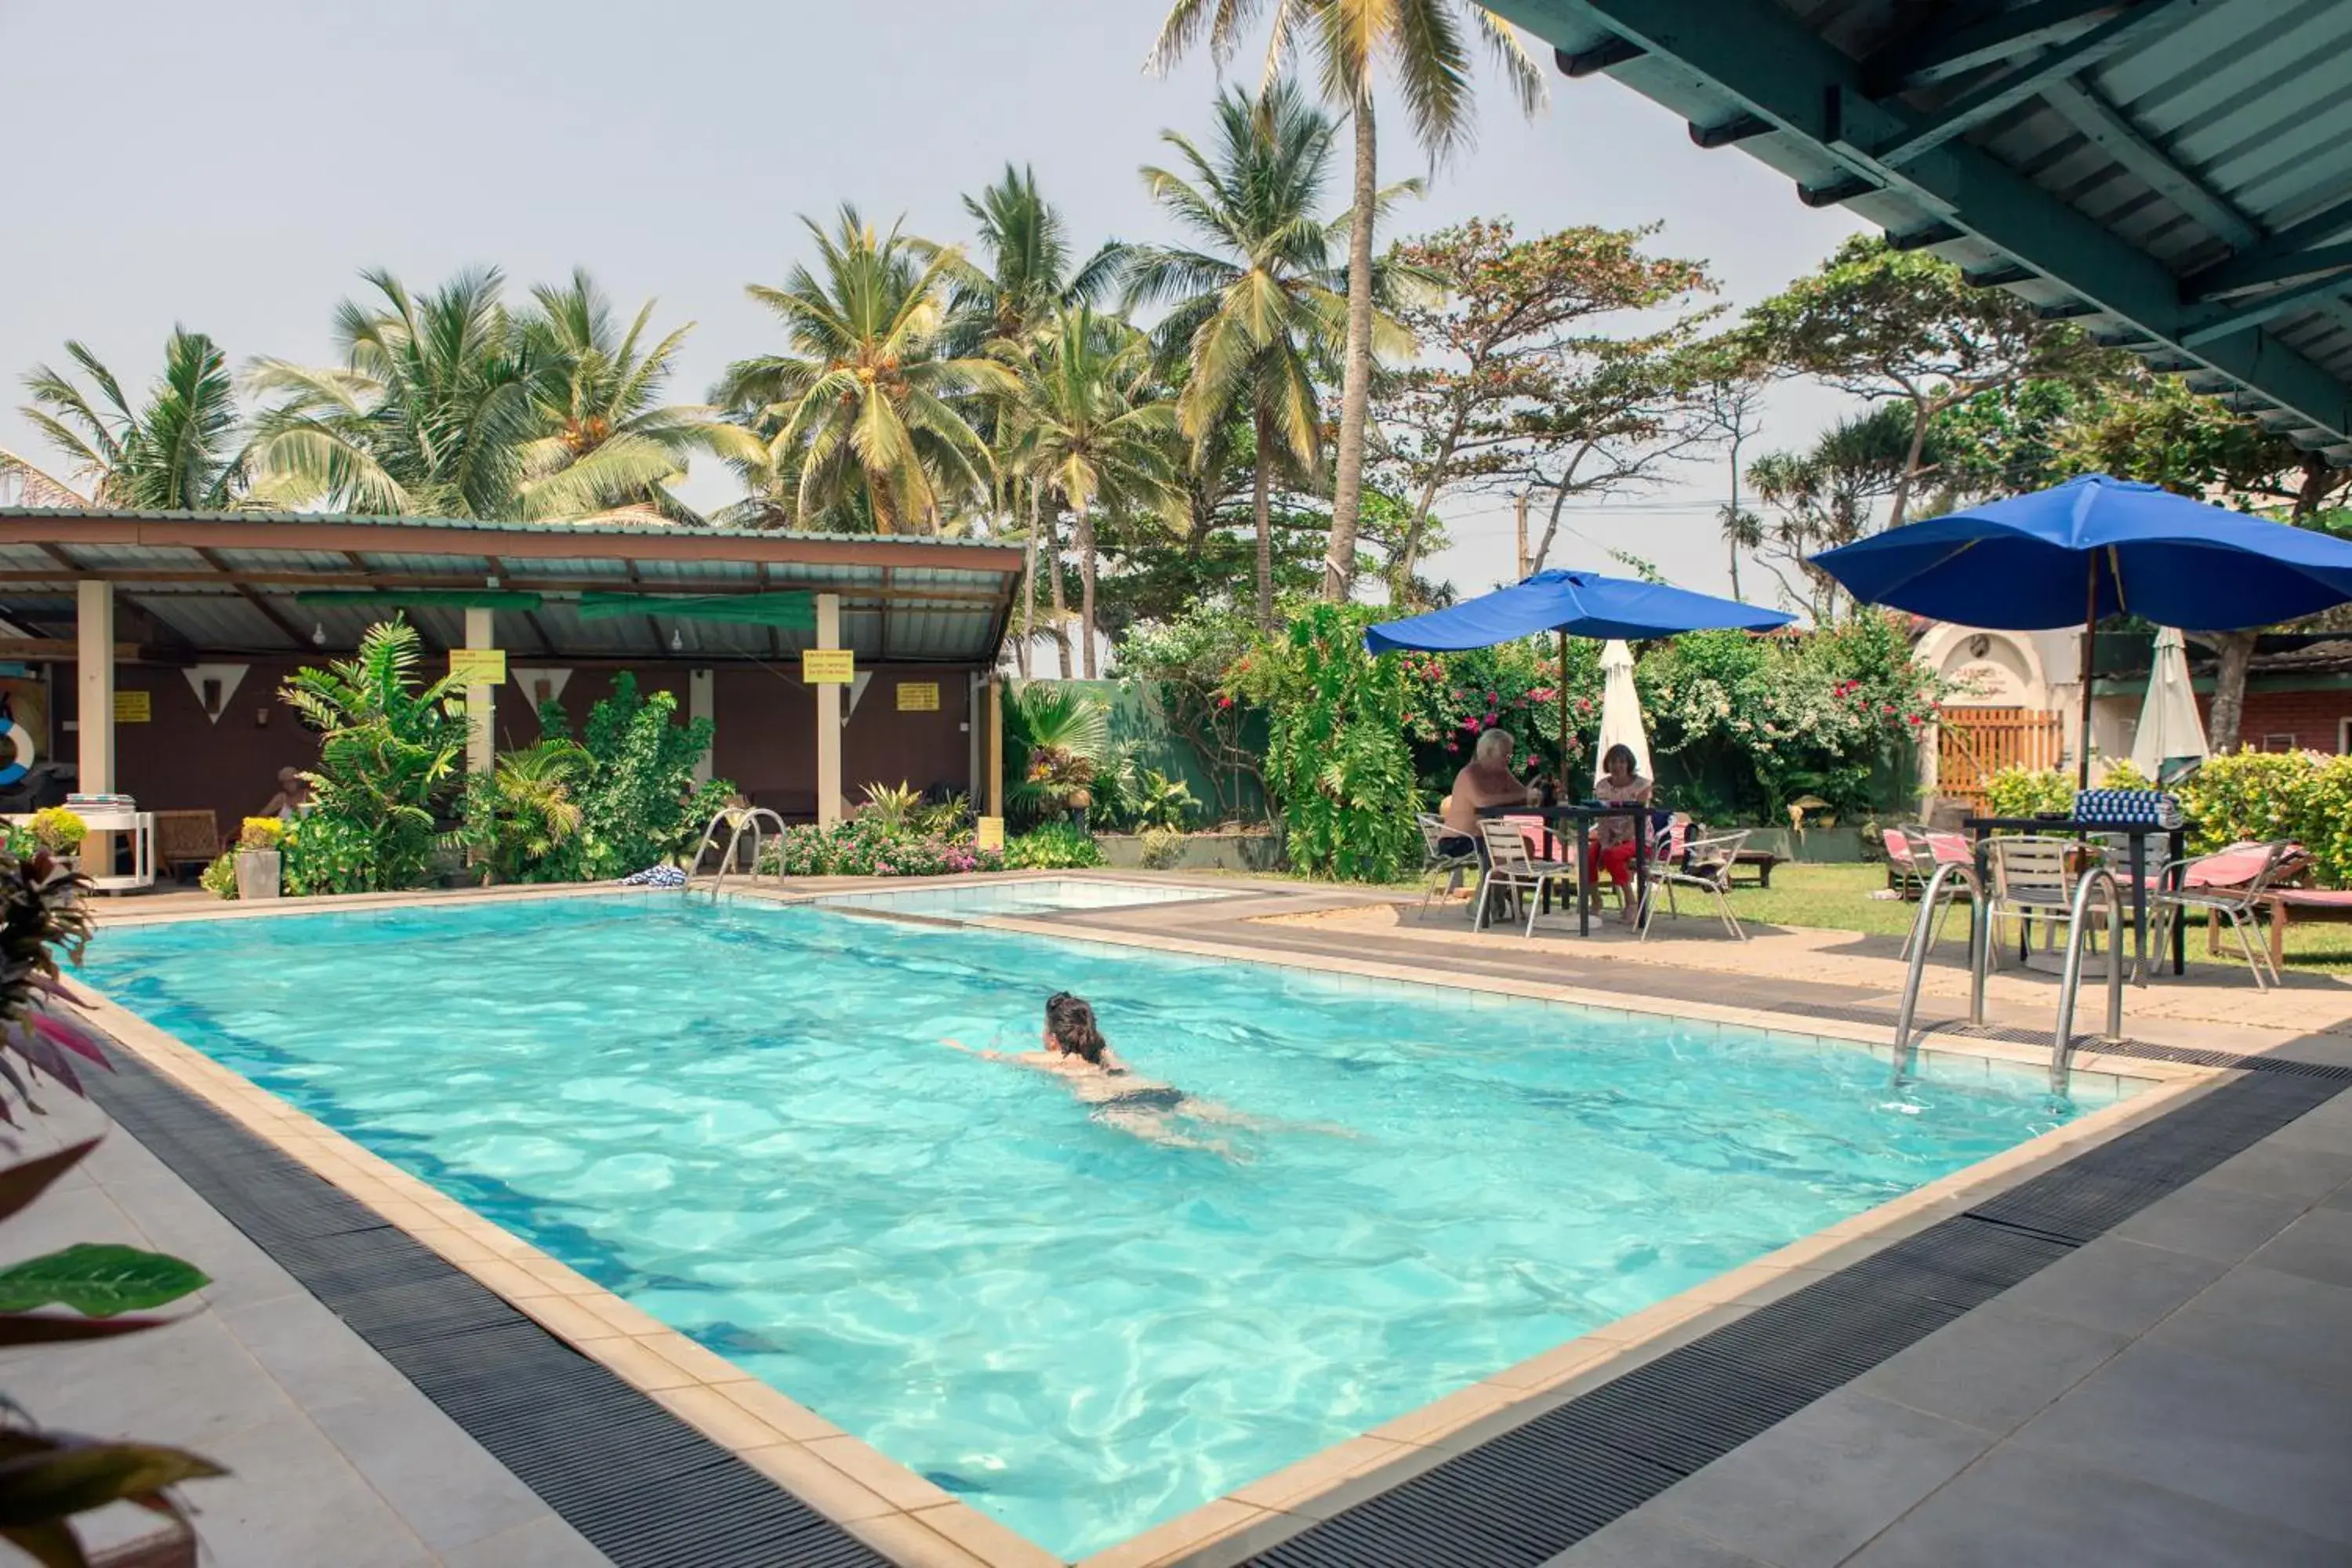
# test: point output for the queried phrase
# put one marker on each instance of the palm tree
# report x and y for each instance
(1422, 43)
(1096, 430)
(433, 411)
(868, 406)
(182, 449)
(1261, 300)
(1024, 273)
(608, 443)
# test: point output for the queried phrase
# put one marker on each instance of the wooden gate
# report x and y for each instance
(1974, 743)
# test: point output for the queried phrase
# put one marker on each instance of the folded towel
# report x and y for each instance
(655, 877)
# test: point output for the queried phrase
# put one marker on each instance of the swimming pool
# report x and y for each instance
(1028, 896)
(741, 1118)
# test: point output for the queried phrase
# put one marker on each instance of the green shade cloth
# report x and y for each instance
(451, 598)
(789, 612)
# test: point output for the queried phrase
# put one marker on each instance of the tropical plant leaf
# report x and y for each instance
(98, 1280)
(45, 1477)
(53, 1544)
(21, 1183)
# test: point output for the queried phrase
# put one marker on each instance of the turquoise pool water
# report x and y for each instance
(1026, 896)
(742, 1119)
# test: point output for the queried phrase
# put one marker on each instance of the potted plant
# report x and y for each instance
(59, 832)
(260, 860)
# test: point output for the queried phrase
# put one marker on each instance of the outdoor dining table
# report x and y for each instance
(2176, 841)
(1553, 815)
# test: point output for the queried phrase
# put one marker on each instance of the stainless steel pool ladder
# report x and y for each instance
(736, 819)
(2061, 1043)
(1951, 878)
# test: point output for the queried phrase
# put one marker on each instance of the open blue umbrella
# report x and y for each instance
(2094, 547)
(1570, 604)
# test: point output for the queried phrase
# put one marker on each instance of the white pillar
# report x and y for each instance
(700, 704)
(995, 745)
(94, 628)
(481, 701)
(828, 715)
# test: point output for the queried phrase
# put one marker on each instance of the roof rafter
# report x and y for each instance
(2260, 263)
(251, 595)
(2107, 129)
(1942, 51)
(1766, 59)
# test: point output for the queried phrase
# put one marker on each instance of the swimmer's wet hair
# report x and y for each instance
(1071, 1021)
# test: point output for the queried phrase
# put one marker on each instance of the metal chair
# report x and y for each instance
(1510, 870)
(2227, 884)
(1437, 859)
(1928, 851)
(2030, 881)
(1705, 866)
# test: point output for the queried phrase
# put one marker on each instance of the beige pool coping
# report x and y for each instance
(915, 1522)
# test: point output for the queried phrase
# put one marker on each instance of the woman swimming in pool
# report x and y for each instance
(1075, 1051)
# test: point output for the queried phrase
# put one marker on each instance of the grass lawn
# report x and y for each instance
(1837, 898)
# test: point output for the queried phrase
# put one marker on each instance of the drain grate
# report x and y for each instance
(648, 1490)
(1523, 1496)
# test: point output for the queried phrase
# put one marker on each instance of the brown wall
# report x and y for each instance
(2290, 721)
(766, 733)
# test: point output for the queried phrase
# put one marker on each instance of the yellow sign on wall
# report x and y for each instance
(479, 666)
(134, 707)
(828, 665)
(989, 832)
(918, 697)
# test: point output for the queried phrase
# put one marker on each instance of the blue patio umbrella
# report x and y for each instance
(2094, 547)
(1570, 604)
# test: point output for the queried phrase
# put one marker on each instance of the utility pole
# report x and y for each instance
(1523, 536)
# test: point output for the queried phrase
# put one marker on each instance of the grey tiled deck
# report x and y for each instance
(334, 1457)
(2177, 1392)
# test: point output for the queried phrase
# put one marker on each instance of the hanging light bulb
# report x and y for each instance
(677, 642)
(317, 635)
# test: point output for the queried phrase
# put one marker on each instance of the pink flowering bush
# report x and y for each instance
(867, 846)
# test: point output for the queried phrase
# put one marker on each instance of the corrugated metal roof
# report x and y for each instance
(902, 599)
(2174, 175)
(579, 530)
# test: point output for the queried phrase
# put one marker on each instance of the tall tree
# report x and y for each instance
(1021, 275)
(608, 441)
(1826, 497)
(1519, 381)
(183, 449)
(1884, 323)
(1727, 397)
(1425, 45)
(1256, 299)
(868, 407)
(1098, 433)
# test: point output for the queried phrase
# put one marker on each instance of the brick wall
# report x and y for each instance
(2315, 719)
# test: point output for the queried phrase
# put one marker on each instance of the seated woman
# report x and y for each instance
(1613, 837)
(1487, 782)
(1075, 1051)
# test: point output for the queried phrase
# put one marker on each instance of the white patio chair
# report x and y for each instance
(1511, 871)
(1928, 852)
(2228, 885)
(1706, 868)
(1437, 861)
(2029, 880)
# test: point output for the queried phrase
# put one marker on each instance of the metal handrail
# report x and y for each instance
(2061, 1044)
(1905, 1043)
(738, 818)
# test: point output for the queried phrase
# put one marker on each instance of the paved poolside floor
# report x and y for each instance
(333, 1456)
(2179, 1391)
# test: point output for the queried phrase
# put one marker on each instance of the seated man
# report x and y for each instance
(1487, 782)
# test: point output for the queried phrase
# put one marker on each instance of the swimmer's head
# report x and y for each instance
(1070, 1028)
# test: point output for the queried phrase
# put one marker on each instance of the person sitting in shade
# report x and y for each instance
(1487, 782)
(293, 796)
(1613, 837)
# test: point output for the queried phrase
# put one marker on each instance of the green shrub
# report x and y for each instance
(57, 830)
(867, 846)
(219, 879)
(1337, 762)
(1055, 847)
(638, 801)
(261, 833)
(2029, 791)
(1161, 849)
(323, 853)
(2302, 795)
(1157, 801)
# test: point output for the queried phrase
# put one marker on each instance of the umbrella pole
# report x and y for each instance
(2090, 632)
(1565, 791)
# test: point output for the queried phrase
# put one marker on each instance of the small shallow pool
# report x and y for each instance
(1031, 896)
(742, 1119)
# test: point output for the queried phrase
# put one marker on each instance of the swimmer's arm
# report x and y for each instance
(1022, 1058)
(984, 1056)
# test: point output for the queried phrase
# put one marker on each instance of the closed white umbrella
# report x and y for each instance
(1620, 710)
(2171, 738)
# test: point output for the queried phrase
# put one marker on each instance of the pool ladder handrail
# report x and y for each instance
(2061, 1043)
(1935, 902)
(738, 818)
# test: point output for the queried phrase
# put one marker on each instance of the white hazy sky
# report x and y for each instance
(233, 166)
